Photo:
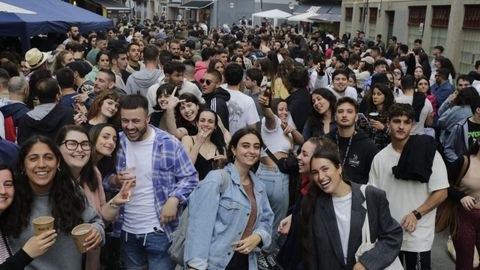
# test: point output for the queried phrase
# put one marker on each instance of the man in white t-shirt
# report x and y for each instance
(241, 108)
(412, 203)
(409, 95)
(340, 86)
(164, 176)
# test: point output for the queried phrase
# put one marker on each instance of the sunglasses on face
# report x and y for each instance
(208, 82)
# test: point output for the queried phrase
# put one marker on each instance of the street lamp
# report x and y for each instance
(291, 6)
(232, 5)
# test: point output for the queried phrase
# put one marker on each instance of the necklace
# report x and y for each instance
(348, 147)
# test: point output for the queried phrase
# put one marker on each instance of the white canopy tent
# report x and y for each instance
(302, 17)
(274, 14)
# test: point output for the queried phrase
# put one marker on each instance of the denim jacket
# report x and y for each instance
(217, 220)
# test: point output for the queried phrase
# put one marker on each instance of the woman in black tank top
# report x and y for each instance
(207, 148)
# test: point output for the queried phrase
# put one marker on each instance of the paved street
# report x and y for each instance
(441, 260)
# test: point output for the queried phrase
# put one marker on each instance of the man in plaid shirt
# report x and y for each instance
(163, 177)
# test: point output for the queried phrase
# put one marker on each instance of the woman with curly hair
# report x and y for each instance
(45, 188)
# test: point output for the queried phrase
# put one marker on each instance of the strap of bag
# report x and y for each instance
(366, 224)
(270, 154)
(225, 180)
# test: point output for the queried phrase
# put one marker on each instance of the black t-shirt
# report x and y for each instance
(473, 132)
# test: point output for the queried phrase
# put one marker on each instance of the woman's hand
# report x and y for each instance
(376, 124)
(285, 224)
(287, 129)
(468, 202)
(123, 196)
(38, 245)
(248, 244)
(93, 240)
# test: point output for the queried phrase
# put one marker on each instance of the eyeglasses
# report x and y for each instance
(208, 82)
(73, 145)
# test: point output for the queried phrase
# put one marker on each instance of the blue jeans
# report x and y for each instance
(145, 251)
(276, 186)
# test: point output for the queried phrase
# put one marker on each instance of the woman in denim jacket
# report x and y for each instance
(226, 229)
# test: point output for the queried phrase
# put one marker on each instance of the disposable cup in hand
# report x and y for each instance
(80, 233)
(42, 224)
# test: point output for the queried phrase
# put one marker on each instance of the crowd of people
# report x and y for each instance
(278, 143)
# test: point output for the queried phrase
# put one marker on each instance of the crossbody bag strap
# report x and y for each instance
(366, 223)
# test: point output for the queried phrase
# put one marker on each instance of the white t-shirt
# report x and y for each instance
(2, 126)
(419, 127)
(242, 111)
(343, 212)
(274, 138)
(405, 196)
(349, 92)
(140, 214)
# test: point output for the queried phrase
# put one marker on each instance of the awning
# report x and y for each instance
(306, 8)
(304, 17)
(274, 14)
(196, 4)
(112, 5)
(329, 14)
(331, 18)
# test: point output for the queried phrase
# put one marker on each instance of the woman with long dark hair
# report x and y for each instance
(35, 246)
(207, 148)
(376, 109)
(45, 188)
(332, 217)
(76, 150)
(182, 115)
(104, 109)
(226, 227)
(321, 120)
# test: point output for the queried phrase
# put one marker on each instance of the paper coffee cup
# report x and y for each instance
(79, 233)
(42, 224)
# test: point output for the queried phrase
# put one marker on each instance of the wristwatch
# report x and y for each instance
(417, 214)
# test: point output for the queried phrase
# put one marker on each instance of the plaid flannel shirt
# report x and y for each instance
(173, 174)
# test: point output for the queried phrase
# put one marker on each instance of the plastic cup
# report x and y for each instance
(80, 233)
(42, 224)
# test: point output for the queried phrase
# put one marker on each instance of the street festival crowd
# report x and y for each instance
(179, 146)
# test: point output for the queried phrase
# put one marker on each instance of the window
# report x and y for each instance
(471, 20)
(348, 14)
(372, 18)
(362, 15)
(416, 15)
(440, 17)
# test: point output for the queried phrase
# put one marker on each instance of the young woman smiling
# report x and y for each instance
(207, 148)
(103, 110)
(332, 215)
(76, 151)
(182, 113)
(35, 246)
(226, 228)
(45, 188)
(321, 120)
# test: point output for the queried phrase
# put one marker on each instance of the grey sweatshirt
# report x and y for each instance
(140, 81)
(63, 255)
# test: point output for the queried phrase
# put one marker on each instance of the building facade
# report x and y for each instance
(454, 24)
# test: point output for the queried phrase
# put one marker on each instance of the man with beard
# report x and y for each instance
(119, 66)
(73, 34)
(356, 149)
(133, 54)
(140, 81)
(164, 177)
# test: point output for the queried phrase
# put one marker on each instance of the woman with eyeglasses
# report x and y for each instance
(35, 246)
(76, 149)
(45, 188)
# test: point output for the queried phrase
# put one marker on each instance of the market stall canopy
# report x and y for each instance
(27, 18)
(273, 14)
(329, 14)
(112, 5)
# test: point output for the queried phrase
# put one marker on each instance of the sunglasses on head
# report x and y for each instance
(208, 82)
